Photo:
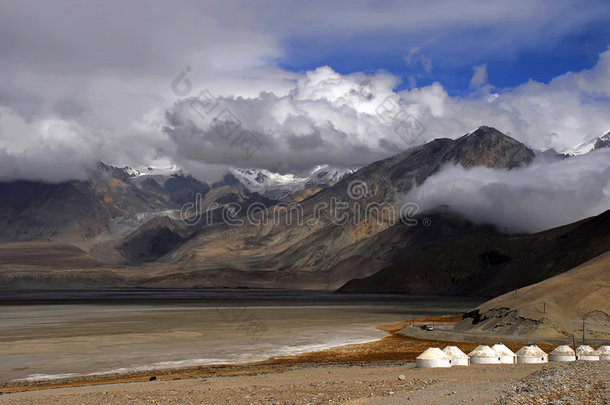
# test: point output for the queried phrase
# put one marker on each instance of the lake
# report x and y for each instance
(55, 333)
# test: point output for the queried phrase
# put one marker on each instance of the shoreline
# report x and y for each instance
(394, 348)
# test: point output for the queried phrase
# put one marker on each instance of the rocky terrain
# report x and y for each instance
(581, 382)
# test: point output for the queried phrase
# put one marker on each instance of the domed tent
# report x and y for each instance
(586, 353)
(603, 352)
(458, 357)
(531, 354)
(484, 355)
(433, 357)
(506, 355)
(562, 353)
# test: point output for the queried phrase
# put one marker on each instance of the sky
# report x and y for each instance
(287, 85)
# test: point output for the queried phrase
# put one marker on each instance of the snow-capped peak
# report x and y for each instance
(152, 171)
(131, 172)
(324, 174)
(258, 179)
(583, 148)
(280, 186)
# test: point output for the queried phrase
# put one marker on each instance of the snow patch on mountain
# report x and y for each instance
(280, 186)
(589, 146)
(581, 149)
(153, 171)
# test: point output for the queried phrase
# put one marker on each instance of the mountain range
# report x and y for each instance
(126, 227)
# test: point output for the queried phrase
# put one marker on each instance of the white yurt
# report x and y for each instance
(433, 357)
(603, 352)
(458, 357)
(531, 354)
(562, 353)
(506, 355)
(584, 352)
(484, 355)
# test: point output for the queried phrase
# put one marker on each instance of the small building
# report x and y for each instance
(458, 357)
(586, 353)
(484, 355)
(531, 354)
(433, 357)
(562, 353)
(603, 352)
(506, 355)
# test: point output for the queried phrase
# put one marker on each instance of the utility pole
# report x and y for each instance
(583, 330)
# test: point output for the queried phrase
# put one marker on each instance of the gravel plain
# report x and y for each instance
(580, 382)
(358, 384)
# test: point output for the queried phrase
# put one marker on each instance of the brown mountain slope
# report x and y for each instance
(554, 307)
(320, 243)
(45, 254)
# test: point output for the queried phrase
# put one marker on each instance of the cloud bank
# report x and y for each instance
(75, 91)
(325, 118)
(541, 196)
(345, 120)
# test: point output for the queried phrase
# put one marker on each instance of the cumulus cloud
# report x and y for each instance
(541, 196)
(326, 118)
(77, 91)
(572, 108)
(342, 120)
(80, 90)
(56, 149)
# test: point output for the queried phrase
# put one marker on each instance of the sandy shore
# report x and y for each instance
(380, 372)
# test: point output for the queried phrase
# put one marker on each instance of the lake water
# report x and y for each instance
(61, 333)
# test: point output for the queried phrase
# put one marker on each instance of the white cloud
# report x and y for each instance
(322, 118)
(325, 118)
(415, 59)
(76, 87)
(539, 197)
(572, 108)
(332, 118)
(480, 76)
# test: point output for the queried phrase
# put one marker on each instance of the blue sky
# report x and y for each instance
(454, 55)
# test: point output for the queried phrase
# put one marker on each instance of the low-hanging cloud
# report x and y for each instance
(541, 196)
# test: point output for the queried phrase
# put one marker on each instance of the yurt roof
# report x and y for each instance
(530, 351)
(482, 351)
(584, 349)
(603, 350)
(502, 350)
(454, 352)
(563, 349)
(433, 353)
